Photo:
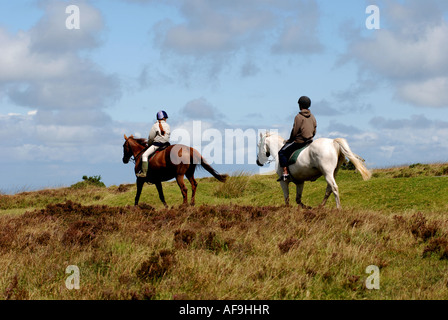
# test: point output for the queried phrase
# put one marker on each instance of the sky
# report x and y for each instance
(68, 93)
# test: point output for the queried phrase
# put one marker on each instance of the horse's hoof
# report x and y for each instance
(302, 206)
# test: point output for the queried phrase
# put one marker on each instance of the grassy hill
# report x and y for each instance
(238, 242)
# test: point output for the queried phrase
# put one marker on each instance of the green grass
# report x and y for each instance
(384, 192)
(238, 242)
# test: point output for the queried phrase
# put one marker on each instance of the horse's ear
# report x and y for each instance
(268, 133)
(125, 138)
(261, 135)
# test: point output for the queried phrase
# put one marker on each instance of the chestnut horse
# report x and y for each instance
(173, 162)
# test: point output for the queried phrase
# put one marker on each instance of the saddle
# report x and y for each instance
(296, 154)
(161, 148)
(138, 164)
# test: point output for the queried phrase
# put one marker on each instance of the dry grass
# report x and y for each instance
(247, 246)
(220, 252)
(234, 187)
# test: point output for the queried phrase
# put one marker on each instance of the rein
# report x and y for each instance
(134, 158)
(263, 140)
(138, 155)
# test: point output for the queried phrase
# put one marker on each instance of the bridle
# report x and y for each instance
(132, 157)
(126, 147)
(268, 154)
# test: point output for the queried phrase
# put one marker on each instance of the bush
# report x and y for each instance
(234, 186)
(156, 266)
(348, 165)
(88, 182)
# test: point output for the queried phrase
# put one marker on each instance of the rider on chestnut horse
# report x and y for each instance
(159, 136)
(174, 161)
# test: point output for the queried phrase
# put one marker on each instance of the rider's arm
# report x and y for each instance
(152, 135)
(296, 129)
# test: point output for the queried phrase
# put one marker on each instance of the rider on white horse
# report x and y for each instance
(302, 134)
(158, 137)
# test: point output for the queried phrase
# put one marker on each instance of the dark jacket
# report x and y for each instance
(304, 128)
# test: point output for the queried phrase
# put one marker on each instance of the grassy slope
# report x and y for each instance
(224, 247)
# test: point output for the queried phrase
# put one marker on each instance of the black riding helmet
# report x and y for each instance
(304, 102)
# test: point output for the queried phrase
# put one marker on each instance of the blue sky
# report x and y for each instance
(68, 96)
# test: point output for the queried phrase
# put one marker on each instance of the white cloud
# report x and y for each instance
(429, 92)
(299, 33)
(215, 27)
(388, 151)
(411, 53)
(50, 34)
(396, 141)
(18, 63)
(201, 109)
(25, 139)
(211, 36)
(337, 134)
(43, 69)
(403, 57)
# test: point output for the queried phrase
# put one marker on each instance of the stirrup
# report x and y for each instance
(141, 175)
(284, 177)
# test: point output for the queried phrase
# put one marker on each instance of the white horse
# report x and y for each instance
(322, 157)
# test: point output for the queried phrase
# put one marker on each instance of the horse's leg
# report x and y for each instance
(194, 184)
(299, 192)
(285, 188)
(160, 190)
(140, 183)
(190, 176)
(183, 188)
(331, 185)
(328, 192)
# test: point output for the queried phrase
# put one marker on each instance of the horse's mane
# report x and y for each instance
(269, 134)
(141, 141)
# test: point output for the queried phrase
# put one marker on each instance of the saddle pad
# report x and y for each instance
(296, 154)
(154, 154)
(158, 150)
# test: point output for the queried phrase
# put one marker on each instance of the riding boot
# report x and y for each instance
(285, 177)
(144, 171)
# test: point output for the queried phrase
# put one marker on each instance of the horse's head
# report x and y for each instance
(263, 150)
(127, 151)
(132, 147)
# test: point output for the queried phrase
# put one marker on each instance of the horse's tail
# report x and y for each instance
(355, 159)
(197, 158)
(213, 172)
